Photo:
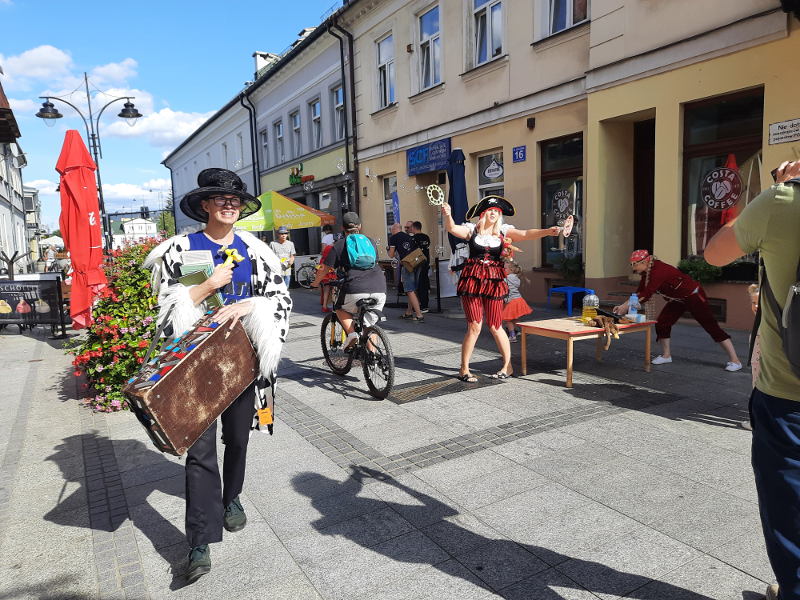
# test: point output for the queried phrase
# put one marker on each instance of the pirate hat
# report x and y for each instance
(488, 202)
(218, 182)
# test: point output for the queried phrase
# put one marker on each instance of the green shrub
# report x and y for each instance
(699, 270)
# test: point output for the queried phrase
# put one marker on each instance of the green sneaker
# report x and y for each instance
(199, 562)
(235, 519)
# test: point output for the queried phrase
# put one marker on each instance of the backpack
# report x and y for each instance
(360, 252)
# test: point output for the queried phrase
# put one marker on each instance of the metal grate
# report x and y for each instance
(438, 386)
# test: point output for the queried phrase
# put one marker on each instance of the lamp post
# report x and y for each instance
(49, 113)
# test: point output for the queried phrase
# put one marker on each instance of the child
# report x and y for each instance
(753, 291)
(516, 306)
(326, 291)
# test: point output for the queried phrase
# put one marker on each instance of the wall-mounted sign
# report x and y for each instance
(428, 157)
(721, 188)
(295, 175)
(562, 204)
(519, 154)
(494, 170)
(786, 131)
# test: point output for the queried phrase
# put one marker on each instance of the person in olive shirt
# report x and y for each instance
(423, 242)
(771, 225)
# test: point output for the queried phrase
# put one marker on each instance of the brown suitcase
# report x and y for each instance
(178, 394)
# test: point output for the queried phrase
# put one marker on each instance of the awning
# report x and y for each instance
(277, 211)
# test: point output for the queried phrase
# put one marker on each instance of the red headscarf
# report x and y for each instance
(639, 255)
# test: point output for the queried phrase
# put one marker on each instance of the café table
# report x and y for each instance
(571, 329)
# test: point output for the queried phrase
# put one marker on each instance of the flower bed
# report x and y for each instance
(124, 321)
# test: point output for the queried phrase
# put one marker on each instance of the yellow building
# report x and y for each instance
(625, 113)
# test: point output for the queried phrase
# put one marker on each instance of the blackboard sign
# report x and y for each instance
(30, 302)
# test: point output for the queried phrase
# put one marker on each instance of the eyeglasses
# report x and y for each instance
(222, 201)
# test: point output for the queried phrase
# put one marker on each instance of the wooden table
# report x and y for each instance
(571, 329)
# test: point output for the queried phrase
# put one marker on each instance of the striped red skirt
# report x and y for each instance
(483, 279)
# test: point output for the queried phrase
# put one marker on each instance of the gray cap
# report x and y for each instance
(350, 220)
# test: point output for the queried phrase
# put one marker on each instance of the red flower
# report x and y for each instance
(140, 360)
(143, 344)
(77, 373)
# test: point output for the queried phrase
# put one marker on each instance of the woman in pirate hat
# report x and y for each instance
(254, 291)
(482, 285)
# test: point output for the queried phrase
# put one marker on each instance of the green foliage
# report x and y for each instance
(124, 321)
(571, 269)
(699, 270)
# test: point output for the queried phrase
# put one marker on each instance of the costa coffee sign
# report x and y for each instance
(721, 188)
(562, 203)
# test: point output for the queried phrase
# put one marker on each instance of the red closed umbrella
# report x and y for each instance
(80, 226)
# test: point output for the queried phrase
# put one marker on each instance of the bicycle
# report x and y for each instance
(307, 273)
(372, 349)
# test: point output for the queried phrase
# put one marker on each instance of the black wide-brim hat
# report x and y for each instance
(498, 202)
(218, 182)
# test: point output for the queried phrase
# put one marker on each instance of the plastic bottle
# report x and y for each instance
(634, 302)
(590, 305)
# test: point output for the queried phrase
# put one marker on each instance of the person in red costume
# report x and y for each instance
(682, 293)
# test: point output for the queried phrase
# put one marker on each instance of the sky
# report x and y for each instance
(181, 60)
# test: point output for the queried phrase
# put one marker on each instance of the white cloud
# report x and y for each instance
(23, 106)
(165, 128)
(116, 72)
(40, 63)
(45, 187)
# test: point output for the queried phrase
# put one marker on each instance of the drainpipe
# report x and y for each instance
(352, 103)
(251, 118)
(346, 118)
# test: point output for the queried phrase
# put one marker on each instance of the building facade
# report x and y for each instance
(132, 231)
(33, 220)
(13, 236)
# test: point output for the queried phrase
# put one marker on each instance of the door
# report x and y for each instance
(644, 173)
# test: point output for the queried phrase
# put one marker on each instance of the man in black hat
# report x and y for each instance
(358, 283)
(254, 291)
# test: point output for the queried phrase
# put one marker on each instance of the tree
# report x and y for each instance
(166, 221)
(56, 233)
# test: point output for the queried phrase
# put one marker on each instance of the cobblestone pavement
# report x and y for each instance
(630, 484)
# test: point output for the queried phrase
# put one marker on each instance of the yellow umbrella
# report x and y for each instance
(277, 211)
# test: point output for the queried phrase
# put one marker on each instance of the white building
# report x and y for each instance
(132, 231)
(12, 212)
(33, 220)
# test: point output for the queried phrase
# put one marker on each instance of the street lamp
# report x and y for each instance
(49, 114)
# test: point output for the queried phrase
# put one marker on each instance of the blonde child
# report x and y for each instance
(753, 291)
(516, 306)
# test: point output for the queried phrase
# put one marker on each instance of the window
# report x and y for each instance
(389, 194)
(430, 50)
(721, 164)
(296, 148)
(208, 159)
(562, 196)
(386, 72)
(567, 13)
(239, 151)
(488, 20)
(279, 156)
(338, 112)
(491, 175)
(316, 125)
(264, 149)
(224, 155)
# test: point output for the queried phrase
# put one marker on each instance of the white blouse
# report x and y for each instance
(489, 240)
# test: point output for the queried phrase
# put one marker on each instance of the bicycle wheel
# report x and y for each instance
(332, 337)
(306, 275)
(378, 362)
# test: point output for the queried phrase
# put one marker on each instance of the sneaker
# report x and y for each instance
(746, 425)
(732, 366)
(235, 519)
(418, 319)
(660, 360)
(424, 310)
(325, 309)
(513, 338)
(772, 592)
(350, 342)
(407, 316)
(199, 562)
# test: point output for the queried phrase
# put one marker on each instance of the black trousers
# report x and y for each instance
(206, 496)
(423, 286)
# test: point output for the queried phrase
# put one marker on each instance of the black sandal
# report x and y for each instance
(468, 378)
(500, 375)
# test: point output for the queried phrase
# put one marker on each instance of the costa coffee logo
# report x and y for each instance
(562, 203)
(721, 188)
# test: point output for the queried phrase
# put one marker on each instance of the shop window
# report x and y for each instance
(386, 72)
(721, 164)
(488, 24)
(491, 175)
(562, 196)
(430, 50)
(389, 191)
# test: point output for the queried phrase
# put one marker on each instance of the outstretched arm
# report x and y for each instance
(460, 231)
(518, 235)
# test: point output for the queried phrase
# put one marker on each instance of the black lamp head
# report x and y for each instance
(49, 113)
(130, 114)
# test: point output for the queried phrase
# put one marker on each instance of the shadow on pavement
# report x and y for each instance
(493, 565)
(52, 589)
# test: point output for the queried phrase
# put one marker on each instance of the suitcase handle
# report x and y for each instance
(157, 336)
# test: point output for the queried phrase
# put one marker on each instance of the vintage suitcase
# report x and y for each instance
(179, 393)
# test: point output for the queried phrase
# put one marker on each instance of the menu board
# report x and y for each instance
(30, 302)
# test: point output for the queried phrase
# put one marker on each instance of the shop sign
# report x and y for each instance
(786, 131)
(494, 170)
(562, 204)
(519, 154)
(296, 175)
(721, 188)
(30, 302)
(428, 157)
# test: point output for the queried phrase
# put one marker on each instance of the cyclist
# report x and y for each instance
(357, 283)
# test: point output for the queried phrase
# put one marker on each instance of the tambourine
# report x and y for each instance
(435, 195)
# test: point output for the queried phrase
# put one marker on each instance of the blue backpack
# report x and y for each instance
(360, 252)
